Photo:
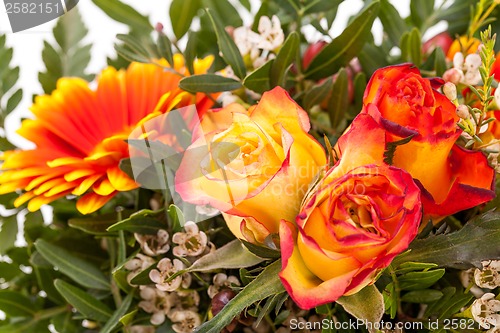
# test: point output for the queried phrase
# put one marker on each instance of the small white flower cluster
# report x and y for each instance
(464, 71)
(489, 276)
(221, 281)
(486, 311)
(260, 47)
(170, 298)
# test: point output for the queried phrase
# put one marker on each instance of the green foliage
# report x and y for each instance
(208, 83)
(259, 80)
(125, 14)
(9, 97)
(267, 284)
(459, 249)
(69, 56)
(343, 48)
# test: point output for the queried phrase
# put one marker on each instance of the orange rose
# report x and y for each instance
(406, 104)
(352, 223)
(254, 165)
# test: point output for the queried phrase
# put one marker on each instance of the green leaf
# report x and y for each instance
(16, 304)
(94, 225)
(125, 14)
(19, 327)
(64, 323)
(190, 50)
(266, 284)
(339, 100)
(393, 24)
(346, 46)
(182, 13)
(69, 30)
(77, 269)
(8, 233)
(165, 48)
(422, 296)
(226, 12)
(367, 304)
(114, 321)
(9, 271)
(415, 47)
(414, 266)
(14, 101)
(420, 11)
(142, 222)
(317, 94)
(321, 6)
(208, 83)
(459, 249)
(230, 256)
(261, 251)
(420, 280)
(390, 148)
(177, 220)
(258, 80)
(439, 62)
(228, 48)
(128, 318)
(284, 59)
(87, 305)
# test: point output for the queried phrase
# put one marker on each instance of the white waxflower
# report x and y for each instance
(464, 70)
(154, 245)
(156, 302)
(185, 321)
(191, 243)
(272, 36)
(463, 111)
(489, 276)
(486, 311)
(167, 268)
(221, 281)
(467, 280)
(136, 265)
(245, 39)
(187, 300)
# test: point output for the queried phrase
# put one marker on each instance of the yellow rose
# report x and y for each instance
(253, 165)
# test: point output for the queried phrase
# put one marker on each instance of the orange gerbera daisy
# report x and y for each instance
(80, 133)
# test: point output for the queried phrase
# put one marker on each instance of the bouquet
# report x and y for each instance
(259, 174)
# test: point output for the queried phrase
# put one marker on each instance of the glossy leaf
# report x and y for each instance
(420, 11)
(317, 94)
(226, 12)
(77, 269)
(420, 280)
(284, 59)
(266, 284)
(422, 296)
(94, 225)
(258, 80)
(165, 48)
(8, 233)
(87, 305)
(208, 83)
(339, 100)
(114, 321)
(125, 14)
(346, 46)
(229, 50)
(14, 101)
(143, 222)
(394, 25)
(459, 249)
(182, 13)
(16, 304)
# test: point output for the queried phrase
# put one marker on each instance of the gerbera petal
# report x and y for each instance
(91, 202)
(120, 180)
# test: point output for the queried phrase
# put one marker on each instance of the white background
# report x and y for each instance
(102, 31)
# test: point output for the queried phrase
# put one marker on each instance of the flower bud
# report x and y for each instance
(450, 90)
(453, 75)
(463, 111)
